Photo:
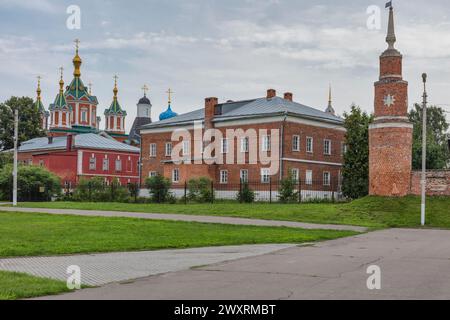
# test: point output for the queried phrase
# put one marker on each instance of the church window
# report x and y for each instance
(92, 163)
(84, 115)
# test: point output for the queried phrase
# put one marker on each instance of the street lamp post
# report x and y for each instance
(16, 143)
(424, 150)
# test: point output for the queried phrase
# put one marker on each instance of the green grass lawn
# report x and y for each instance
(27, 234)
(370, 211)
(19, 286)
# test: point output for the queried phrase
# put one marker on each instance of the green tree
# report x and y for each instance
(245, 194)
(200, 190)
(287, 191)
(437, 145)
(29, 121)
(355, 171)
(5, 158)
(159, 188)
(35, 183)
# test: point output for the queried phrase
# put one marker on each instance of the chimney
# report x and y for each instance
(289, 96)
(50, 140)
(70, 141)
(271, 93)
(210, 105)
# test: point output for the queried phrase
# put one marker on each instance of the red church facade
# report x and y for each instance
(81, 157)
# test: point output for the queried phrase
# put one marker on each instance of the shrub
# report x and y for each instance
(118, 193)
(200, 190)
(35, 183)
(287, 191)
(133, 188)
(95, 190)
(91, 190)
(159, 188)
(245, 194)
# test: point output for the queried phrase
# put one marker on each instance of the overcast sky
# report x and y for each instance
(233, 49)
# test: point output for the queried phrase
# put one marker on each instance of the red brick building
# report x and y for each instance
(310, 142)
(74, 157)
(390, 134)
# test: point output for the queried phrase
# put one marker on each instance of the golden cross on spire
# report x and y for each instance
(61, 70)
(170, 92)
(115, 86)
(145, 88)
(77, 44)
(39, 87)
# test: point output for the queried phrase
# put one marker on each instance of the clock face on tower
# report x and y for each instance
(389, 100)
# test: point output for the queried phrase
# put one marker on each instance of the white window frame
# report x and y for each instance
(343, 148)
(223, 176)
(295, 172)
(92, 163)
(265, 175)
(243, 175)
(224, 146)
(118, 165)
(327, 151)
(169, 148)
(309, 145)
(309, 177)
(176, 175)
(245, 145)
(327, 181)
(153, 150)
(105, 164)
(295, 143)
(186, 148)
(84, 115)
(266, 143)
(152, 174)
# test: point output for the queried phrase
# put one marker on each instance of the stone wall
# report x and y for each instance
(438, 183)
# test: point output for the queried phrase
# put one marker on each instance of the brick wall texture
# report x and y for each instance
(438, 183)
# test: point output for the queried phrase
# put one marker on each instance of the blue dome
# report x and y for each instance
(167, 114)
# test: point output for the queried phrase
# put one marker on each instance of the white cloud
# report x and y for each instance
(36, 5)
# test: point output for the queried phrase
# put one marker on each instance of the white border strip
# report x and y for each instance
(107, 175)
(313, 162)
(391, 125)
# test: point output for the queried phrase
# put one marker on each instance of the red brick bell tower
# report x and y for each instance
(390, 135)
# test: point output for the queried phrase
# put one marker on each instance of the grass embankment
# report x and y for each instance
(27, 234)
(369, 212)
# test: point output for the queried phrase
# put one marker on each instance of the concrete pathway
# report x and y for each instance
(415, 264)
(100, 269)
(189, 218)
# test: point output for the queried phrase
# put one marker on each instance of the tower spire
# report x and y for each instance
(38, 90)
(391, 39)
(115, 87)
(330, 108)
(77, 60)
(329, 97)
(61, 81)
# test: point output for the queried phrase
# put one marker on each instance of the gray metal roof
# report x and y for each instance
(87, 141)
(261, 107)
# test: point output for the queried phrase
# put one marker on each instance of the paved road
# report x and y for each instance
(415, 264)
(190, 218)
(100, 269)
